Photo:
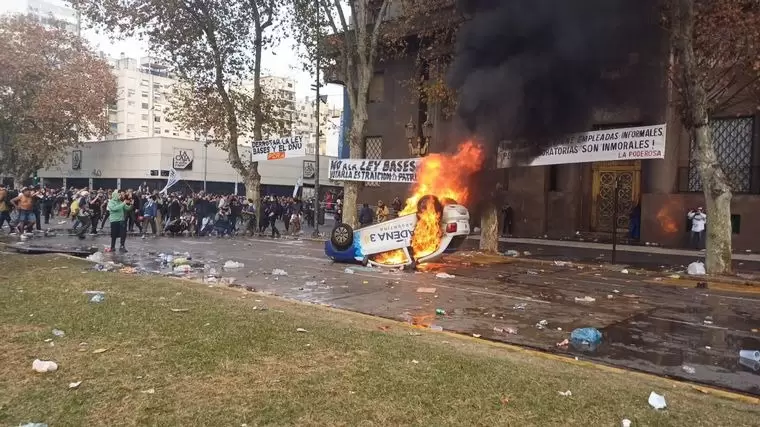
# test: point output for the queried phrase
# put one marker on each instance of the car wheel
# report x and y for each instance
(424, 200)
(342, 237)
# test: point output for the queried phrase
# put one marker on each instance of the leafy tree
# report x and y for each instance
(53, 94)
(717, 60)
(214, 47)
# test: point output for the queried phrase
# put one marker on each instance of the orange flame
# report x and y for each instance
(665, 217)
(446, 177)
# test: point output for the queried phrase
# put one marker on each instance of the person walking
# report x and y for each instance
(117, 213)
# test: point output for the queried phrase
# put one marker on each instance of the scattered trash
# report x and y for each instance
(365, 282)
(542, 324)
(97, 298)
(520, 306)
(75, 385)
(415, 334)
(674, 276)
(348, 271)
(526, 253)
(624, 271)
(415, 361)
(231, 265)
(180, 310)
(585, 339)
(688, 369)
(279, 272)
(610, 296)
(444, 276)
(100, 350)
(436, 328)
(310, 284)
(657, 401)
(625, 423)
(750, 354)
(476, 335)
(58, 332)
(585, 299)
(183, 268)
(44, 366)
(384, 328)
(34, 424)
(149, 391)
(563, 343)
(565, 393)
(96, 257)
(707, 322)
(532, 273)
(512, 253)
(504, 400)
(701, 285)
(696, 269)
(440, 311)
(301, 330)
(561, 263)
(426, 290)
(128, 270)
(177, 261)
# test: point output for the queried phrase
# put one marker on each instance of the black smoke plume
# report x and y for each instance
(529, 71)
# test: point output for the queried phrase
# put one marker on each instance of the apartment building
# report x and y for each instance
(305, 124)
(56, 13)
(143, 98)
(283, 90)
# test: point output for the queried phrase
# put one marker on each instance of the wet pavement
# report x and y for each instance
(649, 323)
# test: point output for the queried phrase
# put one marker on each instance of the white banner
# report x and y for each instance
(171, 180)
(638, 143)
(183, 159)
(375, 170)
(277, 149)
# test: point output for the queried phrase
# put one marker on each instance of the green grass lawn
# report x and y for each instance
(224, 363)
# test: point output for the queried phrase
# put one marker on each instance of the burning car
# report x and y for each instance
(434, 229)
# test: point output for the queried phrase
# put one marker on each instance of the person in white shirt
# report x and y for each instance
(698, 221)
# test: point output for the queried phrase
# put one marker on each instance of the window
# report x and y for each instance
(157, 131)
(131, 103)
(144, 129)
(290, 85)
(157, 119)
(131, 92)
(733, 139)
(144, 117)
(144, 94)
(373, 149)
(377, 87)
(166, 130)
(145, 106)
(114, 127)
(145, 82)
(130, 128)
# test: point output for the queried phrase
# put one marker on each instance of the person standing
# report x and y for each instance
(24, 203)
(95, 205)
(149, 211)
(48, 202)
(5, 208)
(118, 208)
(506, 226)
(698, 222)
(382, 211)
(275, 211)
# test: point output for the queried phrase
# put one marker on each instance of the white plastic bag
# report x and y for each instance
(696, 269)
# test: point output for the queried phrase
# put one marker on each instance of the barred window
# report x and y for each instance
(373, 150)
(733, 139)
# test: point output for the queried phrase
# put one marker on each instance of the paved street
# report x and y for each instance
(650, 322)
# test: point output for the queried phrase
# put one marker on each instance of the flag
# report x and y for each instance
(171, 180)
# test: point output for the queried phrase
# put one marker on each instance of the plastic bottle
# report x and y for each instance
(440, 311)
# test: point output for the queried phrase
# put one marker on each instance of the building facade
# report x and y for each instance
(54, 13)
(305, 124)
(129, 163)
(564, 201)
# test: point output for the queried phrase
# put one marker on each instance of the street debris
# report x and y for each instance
(476, 335)
(585, 339)
(440, 311)
(526, 253)
(33, 425)
(624, 271)
(696, 269)
(520, 306)
(183, 268)
(414, 334)
(279, 272)
(348, 271)
(512, 253)
(625, 423)
(563, 343)
(75, 385)
(511, 331)
(504, 400)
(585, 299)
(542, 324)
(415, 361)
(561, 263)
(44, 366)
(180, 310)
(59, 333)
(231, 265)
(565, 393)
(301, 330)
(444, 276)
(97, 298)
(149, 391)
(426, 290)
(657, 401)
(750, 354)
(96, 257)
(100, 350)
(701, 285)
(610, 296)
(436, 328)
(688, 369)
(674, 276)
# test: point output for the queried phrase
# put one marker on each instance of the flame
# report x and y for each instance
(446, 177)
(665, 217)
(395, 257)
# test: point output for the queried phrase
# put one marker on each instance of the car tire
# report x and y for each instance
(427, 198)
(342, 237)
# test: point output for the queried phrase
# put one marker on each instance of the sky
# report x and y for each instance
(285, 63)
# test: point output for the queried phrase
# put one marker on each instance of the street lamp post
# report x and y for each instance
(205, 162)
(316, 143)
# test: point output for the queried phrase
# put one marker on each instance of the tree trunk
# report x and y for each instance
(253, 191)
(718, 196)
(351, 188)
(695, 117)
(489, 228)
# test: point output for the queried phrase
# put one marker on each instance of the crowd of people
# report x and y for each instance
(152, 213)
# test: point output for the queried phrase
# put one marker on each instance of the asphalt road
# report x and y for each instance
(652, 324)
